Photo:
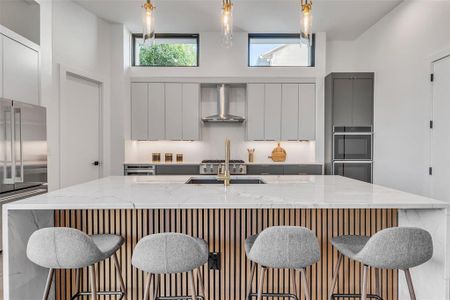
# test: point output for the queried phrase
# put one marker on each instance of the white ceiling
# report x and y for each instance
(342, 20)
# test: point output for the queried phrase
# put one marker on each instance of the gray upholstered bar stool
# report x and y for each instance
(169, 253)
(68, 248)
(400, 248)
(282, 247)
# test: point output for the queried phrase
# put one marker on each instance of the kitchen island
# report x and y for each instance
(138, 206)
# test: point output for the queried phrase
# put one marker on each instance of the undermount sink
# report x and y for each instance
(213, 180)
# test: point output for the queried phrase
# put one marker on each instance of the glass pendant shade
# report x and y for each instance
(149, 24)
(306, 23)
(227, 23)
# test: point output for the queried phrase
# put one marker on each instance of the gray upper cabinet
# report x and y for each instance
(281, 112)
(342, 102)
(272, 112)
(156, 111)
(307, 112)
(139, 111)
(174, 102)
(191, 112)
(165, 111)
(255, 112)
(352, 99)
(362, 102)
(289, 112)
(20, 72)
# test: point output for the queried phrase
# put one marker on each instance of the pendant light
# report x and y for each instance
(149, 23)
(227, 22)
(306, 22)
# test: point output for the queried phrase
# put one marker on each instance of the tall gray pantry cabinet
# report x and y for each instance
(349, 102)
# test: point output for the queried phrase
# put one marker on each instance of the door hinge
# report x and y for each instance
(431, 124)
(430, 171)
(432, 77)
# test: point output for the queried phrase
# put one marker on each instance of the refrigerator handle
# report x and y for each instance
(18, 155)
(8, 165)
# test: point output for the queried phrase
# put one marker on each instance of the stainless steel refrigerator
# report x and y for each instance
(23, 151)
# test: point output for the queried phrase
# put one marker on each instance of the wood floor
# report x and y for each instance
(225, 230)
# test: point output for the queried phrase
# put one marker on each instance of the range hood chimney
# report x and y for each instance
(223, 108)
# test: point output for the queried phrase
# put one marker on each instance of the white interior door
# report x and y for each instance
(80, 130)
(440, 136)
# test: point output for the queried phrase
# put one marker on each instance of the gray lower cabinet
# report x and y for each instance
(177, 169)
(309, 169)
(285, 169)
(265, 169)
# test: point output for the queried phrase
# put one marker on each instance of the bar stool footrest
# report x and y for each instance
(273, 295)
(355, 296)
(100, 293)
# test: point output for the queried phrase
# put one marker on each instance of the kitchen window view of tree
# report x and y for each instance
(167, 51)
(279, 50)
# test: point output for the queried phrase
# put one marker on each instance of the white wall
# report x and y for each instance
(22, 17)
(399, 49)
(219, 61)
(120, 95)
(77, 39)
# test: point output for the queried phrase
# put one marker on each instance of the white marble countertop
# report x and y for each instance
(279, 192)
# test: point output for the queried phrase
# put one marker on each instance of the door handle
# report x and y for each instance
(8, 166)
(18, 157)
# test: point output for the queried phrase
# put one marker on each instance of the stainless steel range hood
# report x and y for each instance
(223, 108)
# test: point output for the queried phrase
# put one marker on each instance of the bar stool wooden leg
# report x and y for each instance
(305, 284)
(148, 282)
(48, 284)
(250, 280)
(192, 283)
(294, 282)
(364, 283)
(93, 278)
(412, 294)
(377, 282)
(261, 282)
(335, 276)
(200, 282)
(156, 288)
(119, 272)
(77, 281)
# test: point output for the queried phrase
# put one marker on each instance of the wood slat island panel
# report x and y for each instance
(225, 230)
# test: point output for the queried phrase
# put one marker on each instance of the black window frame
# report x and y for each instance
(135, 36)
(281, 35)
